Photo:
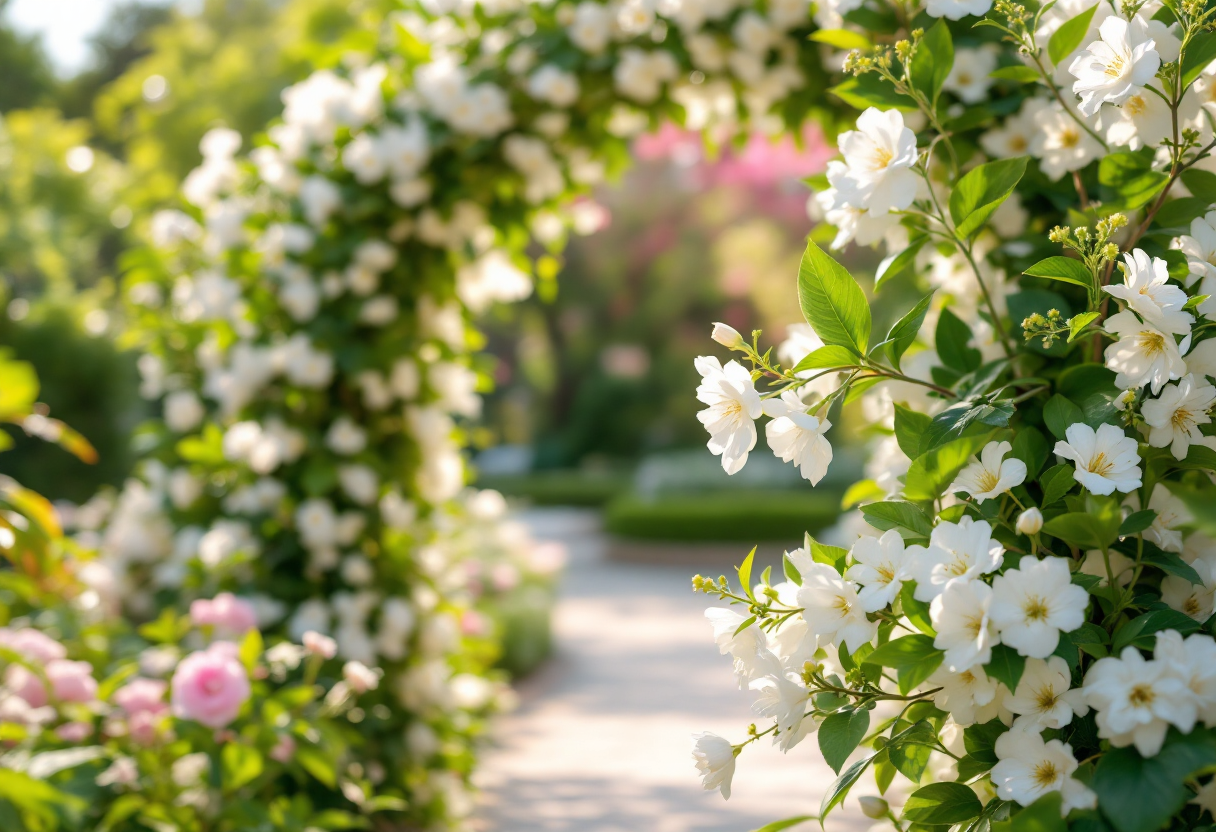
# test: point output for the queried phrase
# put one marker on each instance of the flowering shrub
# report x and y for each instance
(1019, 627)
(191, 723)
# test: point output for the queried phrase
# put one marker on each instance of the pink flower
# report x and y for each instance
(141, 695)
(284, 749)
(32, 645)
(74, 731)
(24, 683)
(210, 686)
(228, 615)
(144, 727)
(72, 681)
(319, 645)
(360, 677)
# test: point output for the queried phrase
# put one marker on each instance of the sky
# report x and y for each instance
(65, 26)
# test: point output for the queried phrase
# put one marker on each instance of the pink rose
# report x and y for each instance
(32, 645)
(25, 683)
(210, 686)
(144, 727)
(141, 695)
(360, 677)
(74, 731)
(229, 615)
(319, 645)
(72, 681)
(284, 749)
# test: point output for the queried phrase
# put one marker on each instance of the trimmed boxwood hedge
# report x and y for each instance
(748, 516)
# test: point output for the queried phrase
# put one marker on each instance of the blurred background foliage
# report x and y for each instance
(594, 398)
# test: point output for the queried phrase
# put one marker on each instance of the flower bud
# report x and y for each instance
(727, 336)
(873, 807)
(1030, 521)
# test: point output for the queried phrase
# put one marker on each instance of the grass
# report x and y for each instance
(747, 516)
(560, 488)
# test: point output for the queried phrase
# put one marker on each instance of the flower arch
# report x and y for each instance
(307, 321)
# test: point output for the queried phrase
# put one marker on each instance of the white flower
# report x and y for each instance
(852, 223)
(798, 437)
(956, 550)
(553, 85)
(1144, 120)
(1137, 699)
(727, 336)
(878, 159)
(1060, 144)
(1014, 136)
(1115, 67)
(1144, 354)
(345, 437)
(957, 9)
(1196, 600)
(746, 646)
(992, 475)
(715, 758)
(733, 407)
(1029, 768)
(1147, 291)
(964, 631)
(969, 78)
(1043, 699)
(1174, 417)
(591, 27)
(784, 701)
(183, 411)
(320, 198)
(640, 75)
(881, 566)
(1200, 250)
(360, 483)
(1030, 521)
(1194, 661)
(1171, 513)
(969, 697)
(1106, 459)
(832, 609)
(1034, 603)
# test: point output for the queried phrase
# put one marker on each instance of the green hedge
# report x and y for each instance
(749, 516)
(560, 488)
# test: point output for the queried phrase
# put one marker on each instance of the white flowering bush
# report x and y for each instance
(1017, 631)
(307, 320)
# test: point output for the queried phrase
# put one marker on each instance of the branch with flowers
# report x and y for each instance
(1015, 631)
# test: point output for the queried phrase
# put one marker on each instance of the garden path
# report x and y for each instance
(601, 741)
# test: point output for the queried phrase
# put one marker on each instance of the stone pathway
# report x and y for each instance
(601, 740)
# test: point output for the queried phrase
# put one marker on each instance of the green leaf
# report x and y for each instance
(205, 449)
(910, 429)
(1142, 629)
(869, 90)
(897, 514)
(953, 337)
(1195, 302)
(745, 572)
(954, 421)
(1030, 447)
(825, 358)
(909, 751)
(897, 265)
(1006, 666)
(316, 764)
(903, 333)
(1168, 562)
(1065, 269)
(860, 492)
(932, 61)
(18, 388)
(841, 38)
(1056, 482)
(1201, 183)
(1044, 815)
(840, 734)
(839, 789)
(1178, 213)
(1131, 177)
(981, 191)
(240, 764)
(833, 556)
(1200, 51)
(1137, 522)
(942, 804)
(1077, 324)
(1095, 528)
(1021, 74)
(1068, 37)
(931, 472)
(832, 302)
(914, 657)
(916, 611)
(779, 825)
(251, 649)
(1139, 795)
(980, 740)
(1059, 413)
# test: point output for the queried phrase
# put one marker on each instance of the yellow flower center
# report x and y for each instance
(1142, 695)
(1115, 68)
(1100, 465)
(842, 605)
(1035, 609)
(1191, 606)
(1018, 143)
(886, 572)
(1135, 105)
(882, 157)
(987, 481)
(1153, 343)
(974, 626)
(1045, 698)
(1069, 137)
(1182, 419)
(1046, 773)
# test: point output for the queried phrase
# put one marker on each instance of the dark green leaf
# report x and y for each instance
(897, 514)
(1168, 562)
(1030, 447)
(1139, 795)
(1057, 481)
(1131, 177)
(840, 734)
(1082, 529)
(1137, 522)
(832, 302)
(910, 429)
(916, 611)
(1006, 666)
(1178, 213)
(909, 751)
(869, 90)
(1201, 183)
(933, 471)
(1142, 629)
(1059, 414)
(914, 658)
(904, 333)
(932, 61)
(940, 804)
(1044, 815)
(980, 740)
(1200, 52)
(839, 789)
(953, 337)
